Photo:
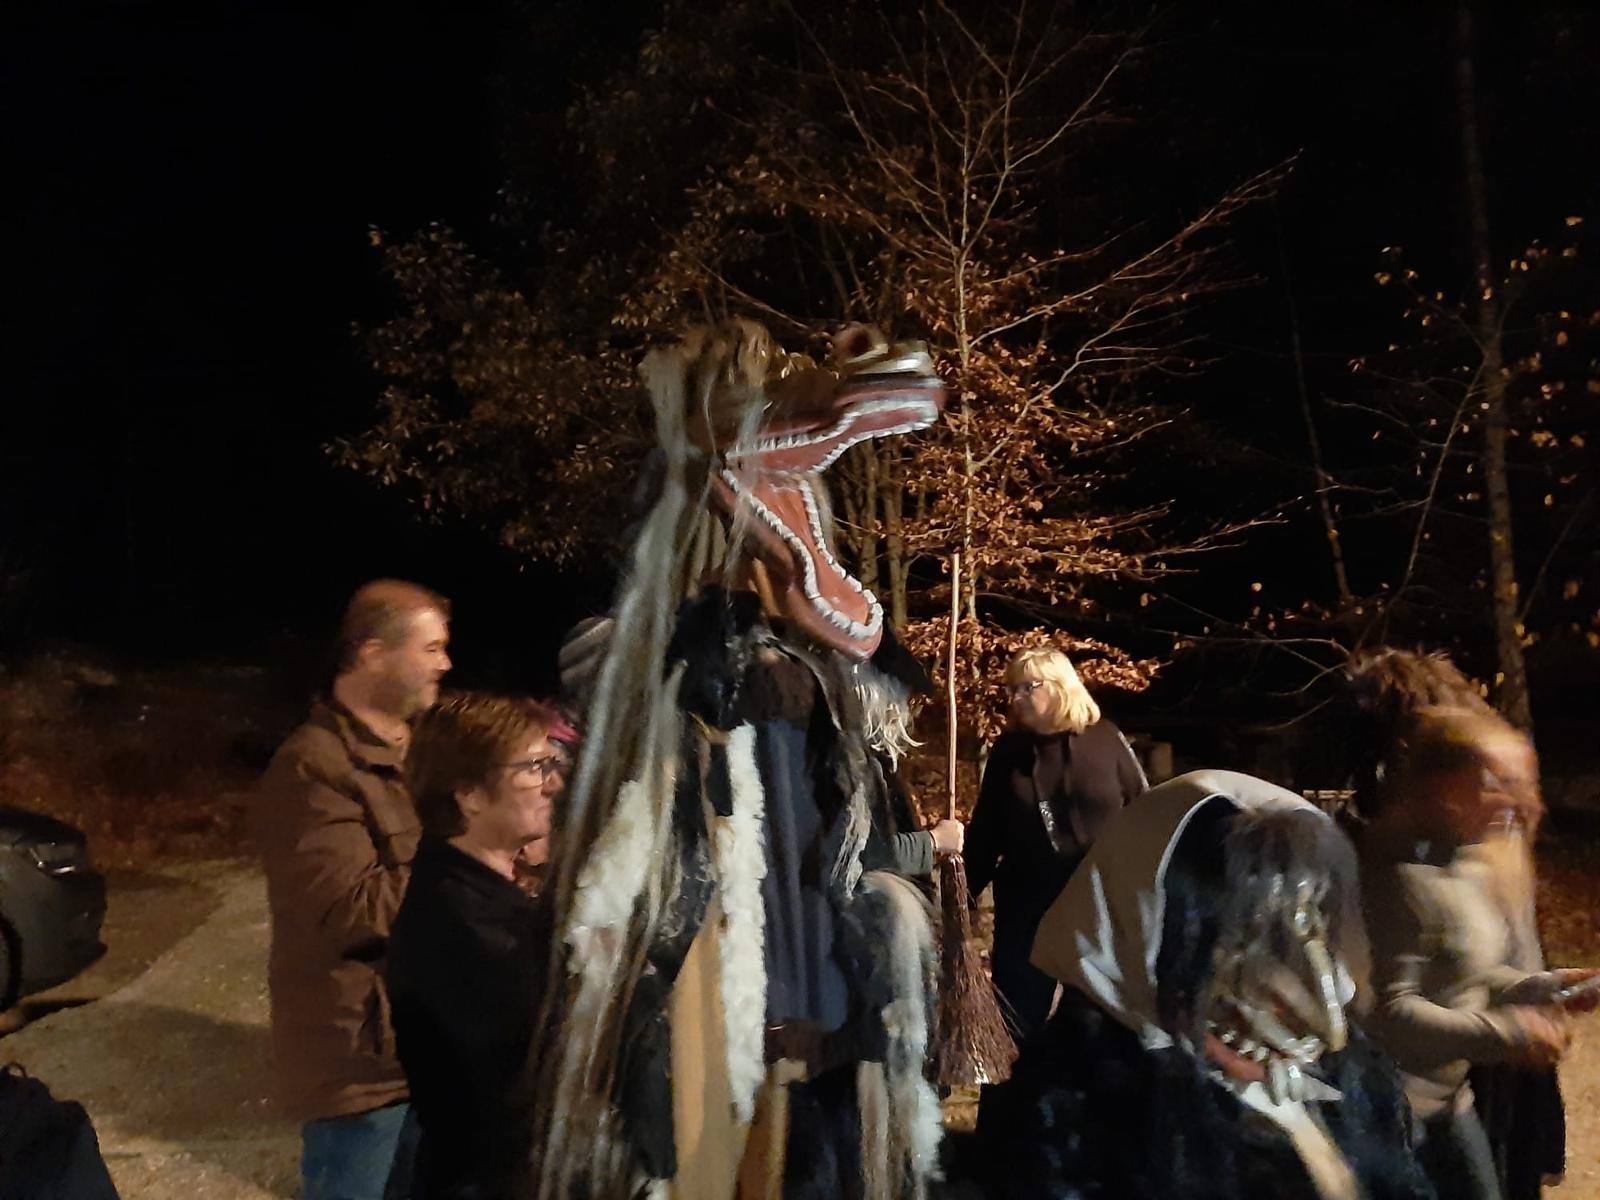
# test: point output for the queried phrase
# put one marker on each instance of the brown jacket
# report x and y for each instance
(337, 832)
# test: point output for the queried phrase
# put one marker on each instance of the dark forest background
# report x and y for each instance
(192, 255)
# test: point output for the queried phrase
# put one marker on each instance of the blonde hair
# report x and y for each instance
(1071, 708)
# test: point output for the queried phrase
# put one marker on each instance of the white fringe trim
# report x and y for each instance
(737, 845)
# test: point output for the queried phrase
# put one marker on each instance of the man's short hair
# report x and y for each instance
(384, 609)
(459, 743)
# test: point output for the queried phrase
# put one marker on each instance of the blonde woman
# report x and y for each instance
(1052, 780)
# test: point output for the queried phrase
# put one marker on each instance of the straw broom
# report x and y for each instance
(974, 1045)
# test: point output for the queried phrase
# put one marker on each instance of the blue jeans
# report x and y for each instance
(367, 1156)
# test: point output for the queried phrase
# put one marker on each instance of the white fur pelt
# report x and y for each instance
(915, 1121)
(609, 886)
(738, 850)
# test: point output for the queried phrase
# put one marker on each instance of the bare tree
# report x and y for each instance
(929, 175)
(1513, 673)
(918, 178)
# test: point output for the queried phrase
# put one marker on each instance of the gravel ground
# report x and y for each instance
(1580, 1082)
(170, 1058)
(172, 1063)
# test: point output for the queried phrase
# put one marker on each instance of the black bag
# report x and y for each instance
(48, 1148)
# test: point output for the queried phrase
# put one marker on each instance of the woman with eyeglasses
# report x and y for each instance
(470, 946)
(1052, 780)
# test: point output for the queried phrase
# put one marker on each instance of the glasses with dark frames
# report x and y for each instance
(540, 768)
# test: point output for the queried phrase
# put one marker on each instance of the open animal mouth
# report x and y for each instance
(790, 535)
(1282, 1057)
(1284, 1034)
(772, 483)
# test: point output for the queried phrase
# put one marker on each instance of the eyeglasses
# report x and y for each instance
(536, 770)
(1026, 688)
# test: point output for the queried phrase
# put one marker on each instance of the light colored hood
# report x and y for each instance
(1103, 933)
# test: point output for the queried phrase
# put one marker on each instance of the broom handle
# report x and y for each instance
(950, 679)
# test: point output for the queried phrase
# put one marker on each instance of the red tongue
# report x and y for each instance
(838, 591)
(773, 500)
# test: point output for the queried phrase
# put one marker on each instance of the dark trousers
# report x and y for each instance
(1026, 993)
(1523, 1115)
(1454, 1153)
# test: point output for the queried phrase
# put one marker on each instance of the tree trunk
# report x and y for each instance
(1513, 674)
(1330, 524)
(853, 527)
(896, 562)
(870, 516)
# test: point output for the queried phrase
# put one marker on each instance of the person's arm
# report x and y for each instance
(1409, 1022)
(912, 854)
(897, 844)
(983, 849)
(319, 848)
(1130, 774)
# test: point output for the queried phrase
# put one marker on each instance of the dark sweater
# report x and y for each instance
(1080, 779)
(467, 964)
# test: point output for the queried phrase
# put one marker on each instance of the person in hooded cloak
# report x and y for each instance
(1211, 948)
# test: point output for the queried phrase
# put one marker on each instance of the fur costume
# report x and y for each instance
(744, 987)
(1214, 921)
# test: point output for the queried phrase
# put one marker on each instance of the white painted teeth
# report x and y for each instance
(809, 584)
(925, 413)
(1306, 1049)
(1285, 1081)
(1297, 1080)
(1278, 1080)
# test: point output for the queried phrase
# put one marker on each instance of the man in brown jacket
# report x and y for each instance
(337, 832)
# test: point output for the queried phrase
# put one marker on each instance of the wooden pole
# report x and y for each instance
(973, 1044)
(950, 680)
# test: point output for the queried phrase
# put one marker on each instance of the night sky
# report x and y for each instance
(190, 194)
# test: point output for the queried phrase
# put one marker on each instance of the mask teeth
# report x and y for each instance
(1328, 992)
(1286, 1083)
(1278, 1080)
(927, 414)
(813, 591)
(1266, 1037)
(1275, 1036)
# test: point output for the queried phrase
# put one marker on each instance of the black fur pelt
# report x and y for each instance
(1090, 1115)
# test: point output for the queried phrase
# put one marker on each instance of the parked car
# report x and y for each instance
(52, 903)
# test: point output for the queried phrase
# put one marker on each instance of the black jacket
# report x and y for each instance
(467, 962)
(1089, 1113)
(1008, 840)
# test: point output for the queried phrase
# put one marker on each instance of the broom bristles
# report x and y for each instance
(974, 1045)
